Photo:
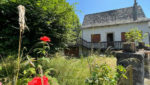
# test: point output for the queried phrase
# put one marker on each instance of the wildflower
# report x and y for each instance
(37, 81)
(45, 39)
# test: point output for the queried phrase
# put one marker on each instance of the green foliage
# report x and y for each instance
(53, 18)
(108, 52)
(147, 45)
(41, 49)
(59, 69)
(67, 71)
(135, 35)
(8, 70)
(102, 75)
(121, 72)
(27, 72)
(72, 71)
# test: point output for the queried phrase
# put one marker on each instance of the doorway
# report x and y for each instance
(110, 39)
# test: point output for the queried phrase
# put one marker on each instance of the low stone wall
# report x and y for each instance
(136, 61)
(147, 64)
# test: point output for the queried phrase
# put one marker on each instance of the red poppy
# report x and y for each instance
(45, 39)
(37, 81)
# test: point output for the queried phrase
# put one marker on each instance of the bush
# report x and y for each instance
(101, 75)
(135, 35)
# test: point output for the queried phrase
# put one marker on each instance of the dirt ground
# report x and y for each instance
(146, 81)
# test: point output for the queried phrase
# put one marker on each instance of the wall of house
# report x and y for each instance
(116, 30)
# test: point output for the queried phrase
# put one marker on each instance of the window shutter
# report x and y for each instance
(95, 38)
(123, 36)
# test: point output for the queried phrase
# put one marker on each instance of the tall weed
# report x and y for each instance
(72, 71)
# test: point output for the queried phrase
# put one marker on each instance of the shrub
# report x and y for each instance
(135, 35)
(102, 75)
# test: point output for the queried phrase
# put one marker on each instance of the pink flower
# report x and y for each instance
(37, 81)
(45, 39)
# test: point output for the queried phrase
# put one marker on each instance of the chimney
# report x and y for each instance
(135, 11)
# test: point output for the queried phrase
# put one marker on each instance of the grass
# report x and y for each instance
(74, 71)
(67, 71)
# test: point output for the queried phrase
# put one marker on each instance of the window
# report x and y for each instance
(123, 36)
(95, 38)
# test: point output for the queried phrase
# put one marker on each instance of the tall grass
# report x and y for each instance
(66, 70)
(8, 70)
(74, 71)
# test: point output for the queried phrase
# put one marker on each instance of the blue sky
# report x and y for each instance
(94, 6)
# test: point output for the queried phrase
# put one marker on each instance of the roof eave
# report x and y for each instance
(113, 24)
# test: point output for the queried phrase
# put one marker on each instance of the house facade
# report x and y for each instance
(100, 30)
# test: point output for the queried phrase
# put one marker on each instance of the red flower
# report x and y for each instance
(45, 39)
(37, 81)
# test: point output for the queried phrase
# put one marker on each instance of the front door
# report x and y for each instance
(110, 39)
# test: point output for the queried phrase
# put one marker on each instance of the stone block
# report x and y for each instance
(129, 47)
(136, 60)
(147, 64)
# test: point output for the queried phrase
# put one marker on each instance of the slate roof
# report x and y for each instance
(123, 15)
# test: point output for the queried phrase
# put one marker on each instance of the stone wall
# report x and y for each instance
(136, 60)
(147, 64)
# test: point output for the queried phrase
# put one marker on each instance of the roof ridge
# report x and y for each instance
(111, 10)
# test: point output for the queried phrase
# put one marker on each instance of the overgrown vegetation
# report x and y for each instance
(59, 69)
(101, 75)
(54, 18)
(8, 70)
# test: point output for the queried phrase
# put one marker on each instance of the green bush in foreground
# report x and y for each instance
(101, 75)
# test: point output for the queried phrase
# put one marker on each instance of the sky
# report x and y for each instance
(84, 7)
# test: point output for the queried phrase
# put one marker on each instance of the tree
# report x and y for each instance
(53, 18)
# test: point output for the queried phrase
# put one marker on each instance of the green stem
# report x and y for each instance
(18, 61)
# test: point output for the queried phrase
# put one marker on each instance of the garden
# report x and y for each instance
(60, 70)
(32, 41)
